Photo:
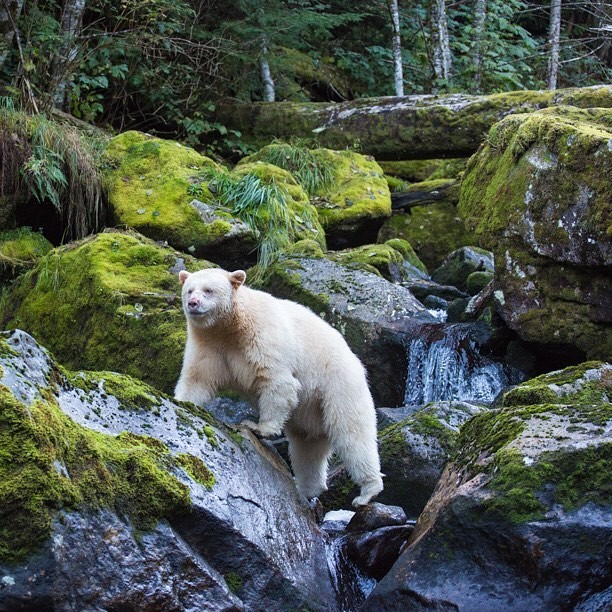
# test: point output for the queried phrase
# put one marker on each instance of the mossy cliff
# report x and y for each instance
(109, 302)
(538, 194)
(149, 181)
(352, 195)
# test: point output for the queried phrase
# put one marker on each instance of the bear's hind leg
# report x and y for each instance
(309, 459)
(357, 446)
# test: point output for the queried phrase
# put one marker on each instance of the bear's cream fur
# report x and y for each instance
(300, 371)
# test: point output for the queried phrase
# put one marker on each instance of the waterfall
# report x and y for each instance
(445, 363)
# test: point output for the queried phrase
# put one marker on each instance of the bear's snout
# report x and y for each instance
(193, 303)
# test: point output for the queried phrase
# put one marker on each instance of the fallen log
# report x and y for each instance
(397, 128)
(427, 192)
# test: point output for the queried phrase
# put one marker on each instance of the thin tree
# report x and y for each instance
(480, 17)
(9, 15)
(442, 59)
(398, 72)
(266, 76)
(72, 15)
(553, 43)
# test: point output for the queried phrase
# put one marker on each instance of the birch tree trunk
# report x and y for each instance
(398, 71)
(266, 77)
(442, 61)
(553, 43)
(68, 51)
(480, 17)
(6, 25)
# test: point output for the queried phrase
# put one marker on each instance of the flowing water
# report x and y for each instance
(445, 363)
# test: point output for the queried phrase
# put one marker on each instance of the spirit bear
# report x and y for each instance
(300, 371)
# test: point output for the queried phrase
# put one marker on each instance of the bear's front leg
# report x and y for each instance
(277, 400)
(188, 390)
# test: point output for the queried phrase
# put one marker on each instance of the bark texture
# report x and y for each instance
(553, 43)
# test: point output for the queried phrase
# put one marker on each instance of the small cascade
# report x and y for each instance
(351, 585)
(445, 363)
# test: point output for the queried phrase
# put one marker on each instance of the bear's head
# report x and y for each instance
(208, 294)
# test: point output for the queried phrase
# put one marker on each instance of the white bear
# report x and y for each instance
(299, 370)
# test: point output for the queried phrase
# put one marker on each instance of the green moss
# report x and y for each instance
(571, 144)
(305, 248)
(477, 281)
(20, 249)
(197, 469)
(571, 479)
(148, 183)
(234, 581)
(131, 392)
(396, 185)
(109, 302)
(433, 231)
(563, 387)
(48, 463)
(413, 170)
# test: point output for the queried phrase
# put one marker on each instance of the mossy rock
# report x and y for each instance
(352, 203)
(477, 281)
(20, 249)
(411, 170)
(544, 178)
(108, 302)
(460, 264)
(538, 194)
(149, 182)
(304, 219)
(588, 383)
(433, 231)
(395, 260)
(396, 184)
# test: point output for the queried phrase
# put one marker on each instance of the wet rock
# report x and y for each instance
(372, 314)
(375, 515)
(127, 500)
(460, 264)
(523, 510)
(538, 194)
(374, 552)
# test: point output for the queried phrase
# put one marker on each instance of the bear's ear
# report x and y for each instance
(183, 276)
(237, 278)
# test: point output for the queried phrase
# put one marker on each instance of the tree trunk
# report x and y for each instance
(68, 51)
(553, 43)
(412, 127)
(6, 25)
(398, 71)
(442, 61)
(266, 77)
(480, 16)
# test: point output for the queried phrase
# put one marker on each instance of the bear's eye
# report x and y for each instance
(190, 292)
(207, 291)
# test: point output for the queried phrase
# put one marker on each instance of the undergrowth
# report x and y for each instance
(53, 164)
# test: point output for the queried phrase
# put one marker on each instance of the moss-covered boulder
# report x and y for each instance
(371, 313)
(20, 249)
(112, 494)
(524, 508)
(154, 187)
(395, 260)
(434, 231)
(111, 302)
(413, 453)
(538, 195)
(460, 264)
(349, 190)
